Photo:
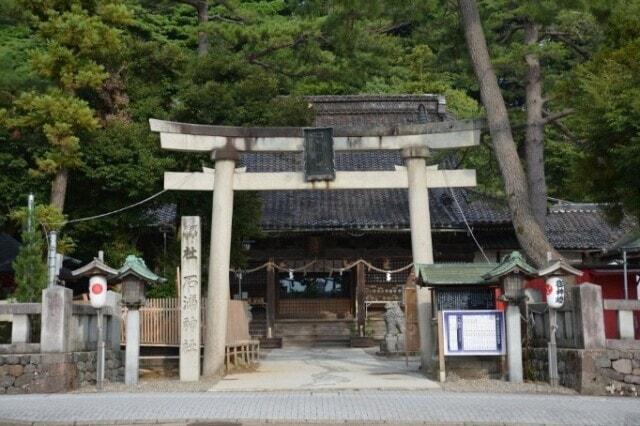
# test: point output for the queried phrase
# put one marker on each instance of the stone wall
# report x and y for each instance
(55, 372)
(621, 370)
(591, 371)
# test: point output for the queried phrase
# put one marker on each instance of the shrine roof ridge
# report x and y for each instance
(163, 126)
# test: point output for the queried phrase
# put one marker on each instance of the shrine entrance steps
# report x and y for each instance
(314, 332)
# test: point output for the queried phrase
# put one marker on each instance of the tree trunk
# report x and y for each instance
(530, 236)
(202, 8)
(534, 137)
(59, 188)
(203, 18)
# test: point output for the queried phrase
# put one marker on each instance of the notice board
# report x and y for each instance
(474, 332)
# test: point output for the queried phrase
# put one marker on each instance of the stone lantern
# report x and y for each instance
(133, 292)
(133, 276)
(512, 272)
(98, 273)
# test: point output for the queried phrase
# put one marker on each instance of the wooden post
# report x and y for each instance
(552, 348)
(442, 376)
(360, 299)
(271, 299)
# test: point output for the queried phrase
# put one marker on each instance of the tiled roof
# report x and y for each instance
(582, 226)
(362, 110)
(163, 215)
(629, 243)
(569, 225)
(361, 209)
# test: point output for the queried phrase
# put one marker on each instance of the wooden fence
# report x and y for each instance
(159, 323)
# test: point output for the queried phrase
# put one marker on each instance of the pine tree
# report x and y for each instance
(30, 269)
(79, 43)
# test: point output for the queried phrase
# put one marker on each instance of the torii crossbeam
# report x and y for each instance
(225, 143)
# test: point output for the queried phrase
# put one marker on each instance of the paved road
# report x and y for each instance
(303, 368)
(360, 407)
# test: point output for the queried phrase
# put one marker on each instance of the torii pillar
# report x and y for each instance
(421, 244)
(219, 260)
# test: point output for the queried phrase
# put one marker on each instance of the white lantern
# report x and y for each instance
(98, 291)
(556, 289)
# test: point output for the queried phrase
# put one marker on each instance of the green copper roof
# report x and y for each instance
(136, 266)
(630, 243)
(512, 263)
(455, 273)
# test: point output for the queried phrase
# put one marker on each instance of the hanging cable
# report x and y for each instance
(99, 216)
(464, 218)
(85, 219)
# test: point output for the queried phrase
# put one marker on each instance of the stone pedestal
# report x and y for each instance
(625, 324)
(592, 314)
(133, 347)
(114, 301)
(20, 329)
(57, 312)
(514, 343)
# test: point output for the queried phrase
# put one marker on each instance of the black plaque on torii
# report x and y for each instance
(318, 154)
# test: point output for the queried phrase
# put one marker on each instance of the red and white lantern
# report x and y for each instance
(98, 291)
(555, 292)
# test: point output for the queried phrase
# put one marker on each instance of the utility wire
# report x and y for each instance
(464, 218)
(85, 219)
(99, 216)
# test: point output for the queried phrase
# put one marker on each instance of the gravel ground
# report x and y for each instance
(361, 369)
(453, 384)
(456, 384)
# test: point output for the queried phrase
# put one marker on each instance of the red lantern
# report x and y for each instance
(98, 291)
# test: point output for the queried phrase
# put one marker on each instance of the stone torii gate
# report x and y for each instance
(225, 144)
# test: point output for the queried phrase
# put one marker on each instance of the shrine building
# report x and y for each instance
(314, 237)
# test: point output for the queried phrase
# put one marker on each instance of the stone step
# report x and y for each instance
(332, 333)
(316, 341)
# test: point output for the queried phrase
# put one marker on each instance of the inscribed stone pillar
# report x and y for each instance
(218, 283)
(55, 335)
(421, 245)
(190, 299)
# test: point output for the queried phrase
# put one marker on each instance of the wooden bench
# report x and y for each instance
(242, 353)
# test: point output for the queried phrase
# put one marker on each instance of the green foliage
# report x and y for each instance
(29, 266)
(46, 218)
(80, 79)
(118, 247)
(61, 118)
(76, 44)
(607, 98)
